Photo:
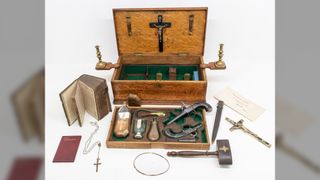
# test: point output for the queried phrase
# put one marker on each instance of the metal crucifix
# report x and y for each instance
(160, 25)
(98, 158)
(239, 125)
(97, 164)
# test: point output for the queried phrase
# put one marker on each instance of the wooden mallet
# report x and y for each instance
(223, 152)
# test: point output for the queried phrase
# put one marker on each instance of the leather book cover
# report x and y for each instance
(85, 94)
(67, 149)
(26, 168)
(28, 103)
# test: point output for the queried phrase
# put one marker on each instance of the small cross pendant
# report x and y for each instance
(97, 164)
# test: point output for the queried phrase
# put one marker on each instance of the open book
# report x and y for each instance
(85, 94)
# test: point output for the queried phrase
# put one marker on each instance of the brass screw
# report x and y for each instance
(99, 56)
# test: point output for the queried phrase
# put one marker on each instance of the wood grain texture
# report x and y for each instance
(166, 91)
(141, 47)
(160, 92)
(160, 59)
(177, 38)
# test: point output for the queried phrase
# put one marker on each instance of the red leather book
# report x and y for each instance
(26, 168)
(67, 149)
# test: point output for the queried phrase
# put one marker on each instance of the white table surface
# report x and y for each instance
(246, 28)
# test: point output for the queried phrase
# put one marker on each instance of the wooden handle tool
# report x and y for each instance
(223, 152)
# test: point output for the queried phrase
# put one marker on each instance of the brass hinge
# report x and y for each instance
(183, 54)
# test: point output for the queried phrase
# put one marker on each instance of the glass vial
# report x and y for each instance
(122, 126)
(139, 128)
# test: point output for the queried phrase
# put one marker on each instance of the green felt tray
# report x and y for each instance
(180, 122)
(138, 72)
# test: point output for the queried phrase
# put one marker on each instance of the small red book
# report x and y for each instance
(26, 168)
(67, 149)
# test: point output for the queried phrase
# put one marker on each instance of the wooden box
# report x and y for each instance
(161, 61)
(203, 143)
(153, 40)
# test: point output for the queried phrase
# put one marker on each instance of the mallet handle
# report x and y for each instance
(191, 153)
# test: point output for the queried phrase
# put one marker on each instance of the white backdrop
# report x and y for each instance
(246, 28)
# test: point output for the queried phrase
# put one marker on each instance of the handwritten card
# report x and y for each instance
(240, 104)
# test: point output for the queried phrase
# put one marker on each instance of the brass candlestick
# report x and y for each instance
(216, 65)
(220, 63)
(100, 64)
(99, 56)
(103, 65)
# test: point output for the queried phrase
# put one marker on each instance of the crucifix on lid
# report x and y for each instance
(160, 25)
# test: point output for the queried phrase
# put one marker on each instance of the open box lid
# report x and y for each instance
(138, 30)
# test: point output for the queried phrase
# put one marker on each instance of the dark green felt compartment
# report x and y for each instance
(196, 116)
(138, 72)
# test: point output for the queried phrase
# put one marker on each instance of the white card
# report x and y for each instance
(242, 105)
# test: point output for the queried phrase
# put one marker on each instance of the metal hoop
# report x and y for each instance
(146, 174)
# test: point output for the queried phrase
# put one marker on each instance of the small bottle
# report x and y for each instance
(122, 126)
(139, 128)
(154, 134)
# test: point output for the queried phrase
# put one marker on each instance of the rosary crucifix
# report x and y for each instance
(160, 25)
(98, 158)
